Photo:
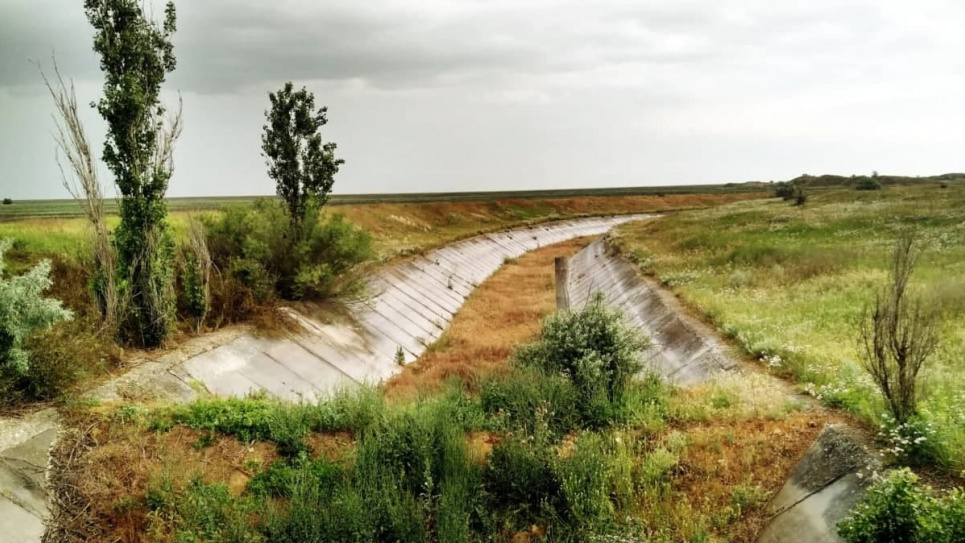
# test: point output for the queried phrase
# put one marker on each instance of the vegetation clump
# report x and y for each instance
(24, 311)
(869, 183)
(898, 509)
(596, 351)
(266, 254)
(7, 201)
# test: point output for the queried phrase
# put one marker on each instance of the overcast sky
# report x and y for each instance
(445, 95)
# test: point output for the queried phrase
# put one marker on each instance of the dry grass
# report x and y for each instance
(400, 229)
(728, 471)
(104, 469)
(502, 312)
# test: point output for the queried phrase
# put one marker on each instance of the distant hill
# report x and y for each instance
(828, 180)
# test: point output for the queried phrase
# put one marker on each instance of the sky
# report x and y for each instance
(470, 95)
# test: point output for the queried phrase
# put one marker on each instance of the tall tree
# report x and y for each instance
(302, 166)
(136, 56)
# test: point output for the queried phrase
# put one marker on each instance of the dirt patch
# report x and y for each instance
(103, 471)
(331, 446)
(503, 311)
(731, 468)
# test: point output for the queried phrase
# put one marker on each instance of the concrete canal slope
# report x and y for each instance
(822, 490)
(412, 304)
(24, 453)
(683, 350)
(824, 486)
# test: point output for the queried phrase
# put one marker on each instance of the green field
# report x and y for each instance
(789, 285)
(29, 209)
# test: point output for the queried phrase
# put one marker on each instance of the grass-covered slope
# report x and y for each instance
(789, 284)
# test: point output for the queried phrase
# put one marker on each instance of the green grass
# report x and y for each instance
(789, 285)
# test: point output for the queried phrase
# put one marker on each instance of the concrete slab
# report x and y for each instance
(19, 526)
(821, 491)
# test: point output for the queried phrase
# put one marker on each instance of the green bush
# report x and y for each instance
(784, 190)
(7, 201)
(23, 312)
(520, 477)
(522, 398)
(868, 183)
(585, 478)
(597, 351)
(265, 251)
(899, 510)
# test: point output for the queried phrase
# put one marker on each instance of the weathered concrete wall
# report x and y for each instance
(412, 304)
(682, 350)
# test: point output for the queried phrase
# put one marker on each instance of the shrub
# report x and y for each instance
(268, 254)
(596, 350)
(899, 510)
(898, 335)
(7, 201)
(520, 477)
(784, 190)
(24, 311)
(585, 477)
(195, 275)
(868, 183)
(524, 398)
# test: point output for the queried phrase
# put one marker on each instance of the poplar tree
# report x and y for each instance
(136, 55)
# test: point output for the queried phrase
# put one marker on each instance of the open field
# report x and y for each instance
(400, 228)
(789, 285)
(67, 208)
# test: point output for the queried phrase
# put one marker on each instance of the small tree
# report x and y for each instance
(85, 187)
(302, 166)
(784, 190)
(7, 201)
(136, 56)
(898, 334)
(23, 311)
(869, 183)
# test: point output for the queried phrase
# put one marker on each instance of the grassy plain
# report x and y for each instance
(67, 208)
(789, 285)
(399, 227)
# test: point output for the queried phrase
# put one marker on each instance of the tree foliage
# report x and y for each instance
(898, 335)
(302, 166)
(23, 311)
(136, 56)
